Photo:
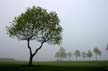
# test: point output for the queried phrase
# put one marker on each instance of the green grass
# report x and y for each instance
(55, 66)
(77, 63)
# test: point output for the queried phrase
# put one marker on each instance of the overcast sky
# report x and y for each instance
(84, 22)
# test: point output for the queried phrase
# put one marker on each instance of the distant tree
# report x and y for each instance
(69, 55)
(36, 24)
(61, 54)
(89, 54)
(106, 47)
(84, 55)
(77, 54)
(57, 55)
(97, 52)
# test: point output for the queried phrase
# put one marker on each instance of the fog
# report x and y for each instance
(84, 22)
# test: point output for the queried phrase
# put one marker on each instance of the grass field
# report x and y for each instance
(55, 66)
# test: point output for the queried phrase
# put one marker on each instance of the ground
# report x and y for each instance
(55, 66)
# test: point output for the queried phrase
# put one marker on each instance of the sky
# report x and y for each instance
(84, 25)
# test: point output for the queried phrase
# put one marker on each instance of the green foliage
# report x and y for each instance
(89, 54)
(97, 51)
(77, 53)
(84, 54)
(57, 55)
(61, 53)
(36, 24)
(106, 47)
(69, 54)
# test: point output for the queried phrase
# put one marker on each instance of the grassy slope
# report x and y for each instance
(55, 66)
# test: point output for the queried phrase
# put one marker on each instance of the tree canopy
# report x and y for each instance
(89, 54)
(61, 53)
(77, 53)
(84, 54)
(97, 51)
(69, 55)
(37, 24)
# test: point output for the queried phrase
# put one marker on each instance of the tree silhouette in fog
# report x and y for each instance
(69, 55)
(89, 54)
(61, 54)
(77, 54)
(97, 52)
(84, 55)
(106, 47)
(57, 55)
(36, 24)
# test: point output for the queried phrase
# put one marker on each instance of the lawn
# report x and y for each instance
(55, 66)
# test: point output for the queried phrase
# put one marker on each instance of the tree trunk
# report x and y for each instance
(76, 58)
(96, 57)
(30, 60)
(89, 58)
(33, 54)
(83, 58)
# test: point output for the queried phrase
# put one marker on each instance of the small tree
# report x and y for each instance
(57, 55)
(36, 24)
(89, 54)
(77, 54)
(69, 55)
(97, 52)
(84, 55)
(61, 54)
(106, 47)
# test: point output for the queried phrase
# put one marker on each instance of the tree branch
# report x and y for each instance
(28, 44)
(39, 47)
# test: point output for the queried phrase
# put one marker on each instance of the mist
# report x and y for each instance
(84, 25)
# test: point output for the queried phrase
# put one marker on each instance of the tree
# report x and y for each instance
(77, 54)
(36, 24)
(61, 53)
(106, 47)
(69, 55)
(97, 52)
(84, 54)
(57, 55)
(89, 54)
